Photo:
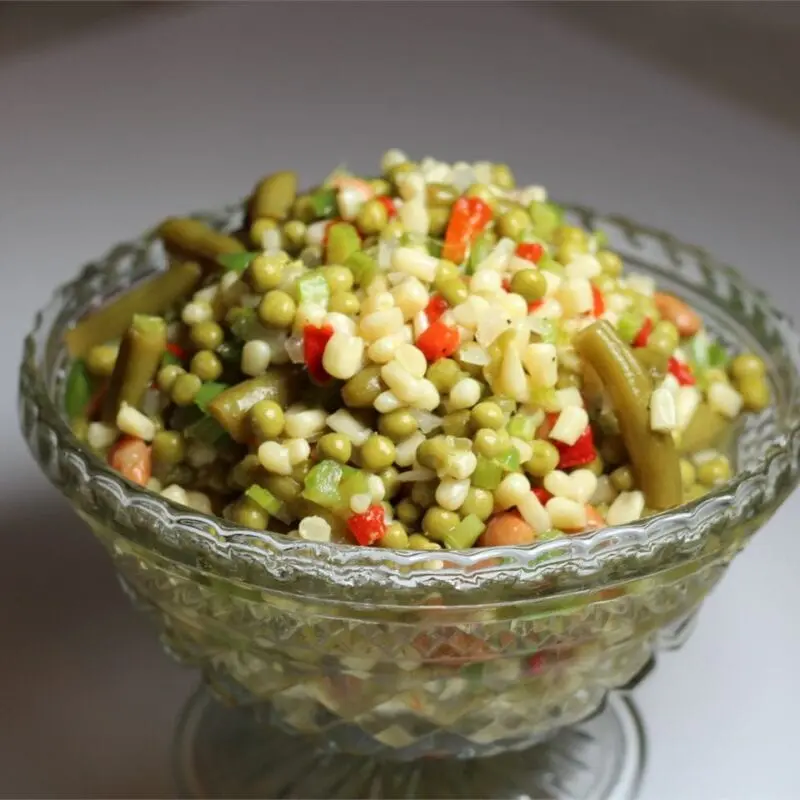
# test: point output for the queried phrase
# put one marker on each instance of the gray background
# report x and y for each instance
(678, 115)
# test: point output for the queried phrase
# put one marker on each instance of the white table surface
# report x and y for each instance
(102, 135)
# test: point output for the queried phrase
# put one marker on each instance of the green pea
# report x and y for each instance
(398, 425)
(688, 473)
(265, 272)
(438, 219)
(390, 483)
(622, 479)
(335, 446)
(249, 514)
(245, 472)
(746, 366)
(372, 217)
(507, 405)
(438, 522)
(285, 488)
(293, 235)
(185, 389)
(445, 271)
(419, 542)
(569, 251)
(715, 471)
(440, 195)
(568, 380)
(597, 467)
(206, 335)
(397, 170)
(488, 443)
(502, 176)
(612, 449)
(530, 283)
(339, 279)
(259, 228)
(488, 415)
(423, 493)
(482, 192)
(444, 374)
(169, 448)
(395, 537)
(457, 423)
(101, 358)
(277, 309)
(479, 502)
(377, 452)
(380, 187)
(433, 453)
(266, 420)
(661, 344)
(755, 392)
(303, 209)
(667, 329)
(167, 375)
(544, 458)
(454, 291)
(344, 303)
(80, 428)
(206, 365)
(362, 389)
(300, 471)
(407, 512)
(514, 223)
(610, 263)
(569, 233)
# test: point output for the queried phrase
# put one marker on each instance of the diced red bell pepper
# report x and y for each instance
(177, 351)
(599, 303)
(641, 338)
(314, 341)
(436, 307)
(388, 204)
(542, 495)
(507, 284)
(682, 371)
(438, 341)
(369, 527)
(535, 664)
(530, 251)
(534, 304)
(580, 454)
(470, 215)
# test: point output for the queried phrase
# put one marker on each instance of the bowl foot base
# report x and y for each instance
(224, 752)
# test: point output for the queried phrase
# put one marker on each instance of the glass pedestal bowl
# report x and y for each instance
(354, 672)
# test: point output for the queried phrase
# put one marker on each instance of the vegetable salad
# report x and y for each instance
(430, 359)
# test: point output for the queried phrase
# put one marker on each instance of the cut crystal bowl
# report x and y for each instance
(377, 653)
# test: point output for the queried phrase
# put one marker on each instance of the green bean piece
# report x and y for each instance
(706, 428)
(100, 360)
(138, 362)
(189, 239)
(273, 196)
(653, 455)
(230, 408)
(153, 296)
(78, 390)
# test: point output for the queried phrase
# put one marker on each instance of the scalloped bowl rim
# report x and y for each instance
(344, 559)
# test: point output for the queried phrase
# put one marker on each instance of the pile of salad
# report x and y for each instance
(429, 359)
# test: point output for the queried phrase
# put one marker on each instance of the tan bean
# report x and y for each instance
(671, 308)
(507, 529)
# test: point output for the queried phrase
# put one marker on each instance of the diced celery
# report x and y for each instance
(322, 484)
(324, 203)
(235, 262)
(206, 430)
(546, 218)
(629, 324)
(522, 426)
(362, 266)
(264, 498)
(465, 534)
(313, 288)
(509, 461)
(479, 249)
(487, 475)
